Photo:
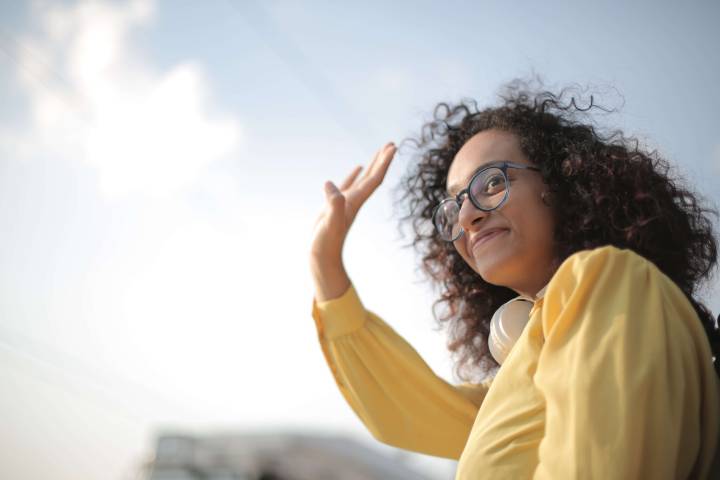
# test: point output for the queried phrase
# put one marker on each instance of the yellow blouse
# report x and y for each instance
(612, 378)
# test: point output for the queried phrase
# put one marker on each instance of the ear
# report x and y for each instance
(546, 198)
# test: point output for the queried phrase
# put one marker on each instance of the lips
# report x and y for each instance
(486, 236)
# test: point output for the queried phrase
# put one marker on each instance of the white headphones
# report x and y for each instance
(508, 323)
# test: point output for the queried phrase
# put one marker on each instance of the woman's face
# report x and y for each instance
(513, 245)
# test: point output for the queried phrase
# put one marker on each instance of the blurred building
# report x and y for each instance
(272, 457)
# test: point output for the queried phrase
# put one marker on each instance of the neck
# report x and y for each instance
(534, 285)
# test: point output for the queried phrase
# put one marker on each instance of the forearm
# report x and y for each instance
(393, 391)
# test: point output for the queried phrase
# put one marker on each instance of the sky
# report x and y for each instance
(161, 169)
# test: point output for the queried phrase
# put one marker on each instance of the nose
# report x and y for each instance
(469, 215)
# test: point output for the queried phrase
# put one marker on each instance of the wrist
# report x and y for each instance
(330, 283)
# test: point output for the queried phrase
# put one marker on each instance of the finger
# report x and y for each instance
(335, 199)
(376, 177)
(376, 159)
(371, 182)
(336, 220)
(351, 178)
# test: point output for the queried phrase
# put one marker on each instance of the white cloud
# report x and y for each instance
(93, 98)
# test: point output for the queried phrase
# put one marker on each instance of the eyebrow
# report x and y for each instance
(455, 188)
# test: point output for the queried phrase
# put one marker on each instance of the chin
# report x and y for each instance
(497, 267)
(496, 280)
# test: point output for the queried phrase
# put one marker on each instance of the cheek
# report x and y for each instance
(528, 215)
(461, 248)
(536, 228)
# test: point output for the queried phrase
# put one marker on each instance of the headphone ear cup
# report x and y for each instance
(506, 326)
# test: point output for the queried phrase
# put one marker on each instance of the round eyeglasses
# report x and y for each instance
(489, 189)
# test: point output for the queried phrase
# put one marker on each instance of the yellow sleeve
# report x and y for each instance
(626, 371)
(393, 391)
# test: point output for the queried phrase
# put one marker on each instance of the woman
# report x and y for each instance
(570, 257)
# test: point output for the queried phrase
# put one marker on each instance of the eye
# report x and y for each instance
(494, 183)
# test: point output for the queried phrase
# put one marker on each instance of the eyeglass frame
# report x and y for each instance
(503, 167)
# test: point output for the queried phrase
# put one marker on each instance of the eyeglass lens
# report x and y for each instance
(487, 190)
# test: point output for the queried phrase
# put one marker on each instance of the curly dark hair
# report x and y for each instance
(605, 189)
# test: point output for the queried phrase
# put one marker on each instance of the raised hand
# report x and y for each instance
(333, 224)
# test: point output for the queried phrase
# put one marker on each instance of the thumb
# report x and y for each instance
(336, 200)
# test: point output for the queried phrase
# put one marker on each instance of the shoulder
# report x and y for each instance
(608, 267)
(604, 266)
(611, 282)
